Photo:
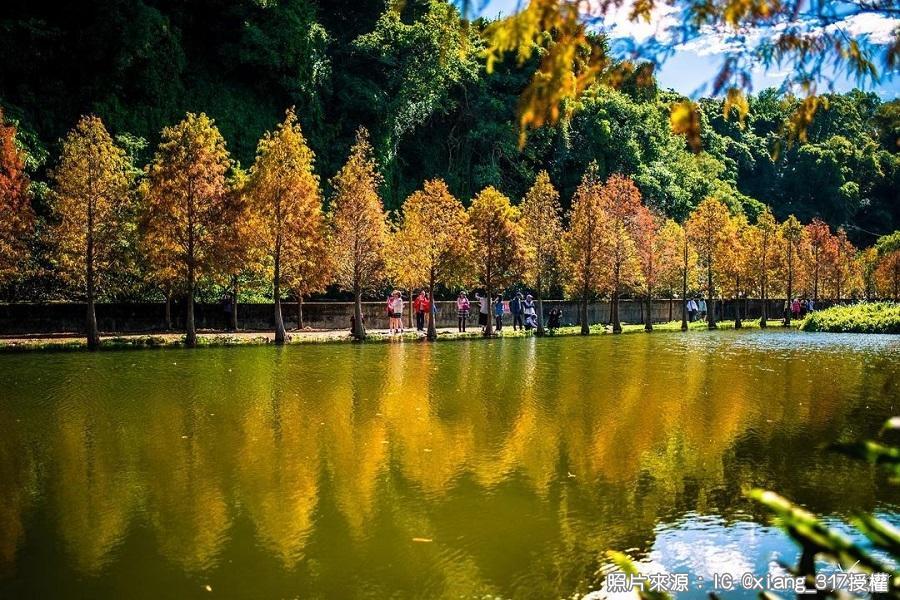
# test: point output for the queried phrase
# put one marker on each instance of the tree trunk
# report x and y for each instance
(276, 285)
(816, 277)
(489, 328)
(737, 304)
(190, 336)
(765, 305)
(614, 311)
(540, 314)
(432, 329)
(585, 329)
(671, 305)
(168, 292)
(93, 335)
(299, 312)
(234, 305)
(359, 329)
(540, 307)
(648, 325)
(684, 315)
(790, 281)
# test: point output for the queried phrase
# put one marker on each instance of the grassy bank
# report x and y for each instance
(866, 317)
(219, 339)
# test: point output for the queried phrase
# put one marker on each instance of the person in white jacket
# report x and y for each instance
(396, 307)
(691, 309)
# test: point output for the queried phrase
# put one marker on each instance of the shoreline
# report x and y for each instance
(70, 342)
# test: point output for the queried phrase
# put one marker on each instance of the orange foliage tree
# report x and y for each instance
(582, 244)
(92, 187)
(620, 202)
(762, 239)
(650, 249)
(734, 267)
(868, 266)
(887, 275)
(674, 264)
(541, 236)
(239, 257)
(707, 230)
(286, 203)
(186, 201)
(15, 203)
(840, 274)
(434, 240)
(307, 262)
(791, 234)
(819, 235)
(497, 243)
(359, 227)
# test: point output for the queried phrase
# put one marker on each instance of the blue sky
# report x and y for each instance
(690, 70)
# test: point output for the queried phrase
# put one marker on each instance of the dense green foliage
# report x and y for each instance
(417, 81)
(866, 317)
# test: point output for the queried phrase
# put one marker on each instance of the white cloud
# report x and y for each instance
(617, 22)
(712, 43)
(879, 28)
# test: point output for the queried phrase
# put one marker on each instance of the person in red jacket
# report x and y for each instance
(421, 305)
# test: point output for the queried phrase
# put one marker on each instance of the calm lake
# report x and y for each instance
(452, 470)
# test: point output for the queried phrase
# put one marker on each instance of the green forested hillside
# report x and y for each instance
(418, 82)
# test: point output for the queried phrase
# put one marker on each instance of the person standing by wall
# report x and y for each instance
(529, 312)
(498, 312)
(691, 309)
(484, 307)
(516, 308)
(396, 308)
(462, 311)
(421, 306)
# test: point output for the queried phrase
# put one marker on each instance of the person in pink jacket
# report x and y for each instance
(462, 311)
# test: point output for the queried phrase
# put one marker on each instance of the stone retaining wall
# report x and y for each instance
(133, 318)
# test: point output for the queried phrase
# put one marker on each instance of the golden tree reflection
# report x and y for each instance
(458, 460)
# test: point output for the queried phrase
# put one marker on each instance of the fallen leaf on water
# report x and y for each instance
(422, 540)
(208, 588)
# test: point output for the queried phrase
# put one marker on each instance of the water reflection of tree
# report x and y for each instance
(490, 449)
(19, 480)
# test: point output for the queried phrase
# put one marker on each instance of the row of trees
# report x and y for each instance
(192, 213)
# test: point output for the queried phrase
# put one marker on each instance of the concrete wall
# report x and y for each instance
(132, 318)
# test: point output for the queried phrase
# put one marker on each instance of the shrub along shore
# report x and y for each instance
(870, 317)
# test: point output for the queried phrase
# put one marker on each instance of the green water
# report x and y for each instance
(453, 470)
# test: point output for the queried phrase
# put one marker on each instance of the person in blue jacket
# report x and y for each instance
(498, 312)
